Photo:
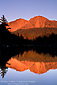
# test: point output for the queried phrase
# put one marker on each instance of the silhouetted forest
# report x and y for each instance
(45, 44)
(8, 39)
(35, 32)
(11, 44)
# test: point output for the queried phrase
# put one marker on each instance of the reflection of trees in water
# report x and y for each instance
(3, 71)
(36, 63)
(34, 56)
(46, 45)
(29, 53)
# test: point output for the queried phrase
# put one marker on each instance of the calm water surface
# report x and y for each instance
(30, 68)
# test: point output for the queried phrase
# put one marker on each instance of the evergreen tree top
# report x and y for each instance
(4, 21)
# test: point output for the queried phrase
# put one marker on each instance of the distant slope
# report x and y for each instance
(35, 32)
(35, 22)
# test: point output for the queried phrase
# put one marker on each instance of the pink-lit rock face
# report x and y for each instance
(17, 24)
(35, 22)
(38, 63)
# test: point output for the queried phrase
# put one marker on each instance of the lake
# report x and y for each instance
(29, 68)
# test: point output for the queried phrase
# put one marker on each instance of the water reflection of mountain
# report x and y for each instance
(35, 62)
(22, 58)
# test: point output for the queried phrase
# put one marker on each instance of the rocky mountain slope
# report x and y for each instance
(17, 24)
(35, 22)
(36, 26)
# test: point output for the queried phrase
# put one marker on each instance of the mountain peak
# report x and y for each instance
(35, 22)
(38, 17)
(17, 24)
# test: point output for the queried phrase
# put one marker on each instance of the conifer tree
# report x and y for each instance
(3, 21)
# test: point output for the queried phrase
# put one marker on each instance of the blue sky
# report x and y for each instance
(14, 9)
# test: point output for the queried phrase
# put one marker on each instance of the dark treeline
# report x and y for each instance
(8, 39)
(11, 45)
(40, 44)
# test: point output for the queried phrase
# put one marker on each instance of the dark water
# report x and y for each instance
(28, 68)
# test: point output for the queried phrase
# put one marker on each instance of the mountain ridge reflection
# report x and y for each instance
(36, 62)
